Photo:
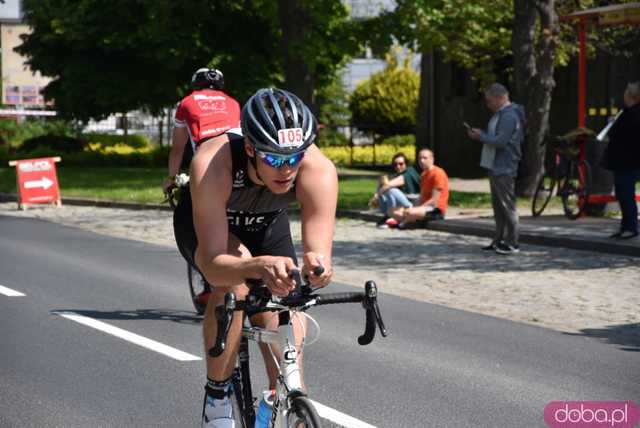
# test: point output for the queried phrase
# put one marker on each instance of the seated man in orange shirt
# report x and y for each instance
(434, 193)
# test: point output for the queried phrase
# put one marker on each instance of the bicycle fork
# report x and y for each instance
(289, 381)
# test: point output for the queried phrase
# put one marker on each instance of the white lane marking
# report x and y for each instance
(339, 418)
(130, 337)
(9, 292)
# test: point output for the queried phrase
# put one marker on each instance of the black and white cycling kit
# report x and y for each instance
(256, 216)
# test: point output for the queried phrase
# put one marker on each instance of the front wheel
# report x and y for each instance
(543, 194)
(302, 414)
(575, 189)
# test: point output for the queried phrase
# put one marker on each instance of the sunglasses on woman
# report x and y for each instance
(278, 161)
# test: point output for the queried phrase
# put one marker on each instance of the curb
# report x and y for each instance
(12, 197)
(454, 226)
(537, 238)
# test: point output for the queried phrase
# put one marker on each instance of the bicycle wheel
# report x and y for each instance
(302, 414)
(575, 190)
(543, 194)
(198, 288)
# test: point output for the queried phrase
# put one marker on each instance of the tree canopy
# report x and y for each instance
(106, 57)
(472, 34)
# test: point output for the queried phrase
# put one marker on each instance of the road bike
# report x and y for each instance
(291, 406)
(199, 288)
(567, 175)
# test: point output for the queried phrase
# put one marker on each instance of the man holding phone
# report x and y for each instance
(501, 153)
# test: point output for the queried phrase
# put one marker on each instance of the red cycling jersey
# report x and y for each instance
(207, 113)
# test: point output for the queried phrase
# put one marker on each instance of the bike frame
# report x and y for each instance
(289, 379)
(289, 393)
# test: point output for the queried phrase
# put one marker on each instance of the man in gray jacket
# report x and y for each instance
(501, 152)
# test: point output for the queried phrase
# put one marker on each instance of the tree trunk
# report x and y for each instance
(534, 82)
(424, 119)
(295, 23)
(125, 127)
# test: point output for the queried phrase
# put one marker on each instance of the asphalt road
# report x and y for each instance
(438, 368)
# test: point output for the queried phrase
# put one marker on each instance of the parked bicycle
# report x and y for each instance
(291, 406)
(199, 288)
(565, 174)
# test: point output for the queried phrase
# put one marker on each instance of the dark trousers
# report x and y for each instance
(625, 187)
(503, 200)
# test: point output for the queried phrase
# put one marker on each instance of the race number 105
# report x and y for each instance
(290, 137)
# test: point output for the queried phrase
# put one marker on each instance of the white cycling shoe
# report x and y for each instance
(218, 413)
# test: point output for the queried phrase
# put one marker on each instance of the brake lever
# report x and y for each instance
(305, 286)
(224, 317)
(373, 315)
(378, 315)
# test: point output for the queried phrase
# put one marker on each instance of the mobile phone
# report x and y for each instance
(466, 125)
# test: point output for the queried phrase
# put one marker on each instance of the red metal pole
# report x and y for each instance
(582, 73)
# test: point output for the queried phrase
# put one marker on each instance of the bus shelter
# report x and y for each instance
(612, 15)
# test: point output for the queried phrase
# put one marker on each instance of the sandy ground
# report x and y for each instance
(566, 290)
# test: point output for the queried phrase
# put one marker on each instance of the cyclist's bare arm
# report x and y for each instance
(317, 192)
(179, 141)
(210, 189)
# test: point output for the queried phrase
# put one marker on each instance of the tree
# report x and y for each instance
(316, 39)
(107, 57)
(385, 104)
(534, 42)
(471, 34)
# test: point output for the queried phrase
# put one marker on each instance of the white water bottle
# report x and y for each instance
(265, 409)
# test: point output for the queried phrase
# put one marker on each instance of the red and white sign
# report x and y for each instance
(37, 180)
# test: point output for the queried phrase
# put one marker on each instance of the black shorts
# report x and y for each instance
(272, 239)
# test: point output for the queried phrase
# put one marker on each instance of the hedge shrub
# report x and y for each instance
(386, 102)
(400, 140)
(363, 155)
(15, 133)
(328, 137)
(94, 155)
(108, 140)
(57, 143)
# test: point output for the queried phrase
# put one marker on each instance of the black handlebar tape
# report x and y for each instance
(328, 299)
(224, 316)
(369, 329)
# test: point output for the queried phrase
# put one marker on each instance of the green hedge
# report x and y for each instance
(15, 133)
(108, 140)
(364, 155)
(159, 156)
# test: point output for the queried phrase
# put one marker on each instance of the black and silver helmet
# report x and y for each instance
(276, 121)
(207, 78)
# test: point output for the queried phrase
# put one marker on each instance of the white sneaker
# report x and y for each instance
(218, 413)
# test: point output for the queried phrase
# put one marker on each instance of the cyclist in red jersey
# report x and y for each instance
(206, 113)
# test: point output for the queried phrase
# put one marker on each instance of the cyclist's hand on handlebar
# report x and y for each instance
(311, 262)
(274, 271)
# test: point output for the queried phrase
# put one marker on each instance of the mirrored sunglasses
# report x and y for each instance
(278, 161)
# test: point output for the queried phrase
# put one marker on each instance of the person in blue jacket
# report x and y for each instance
(501, 153)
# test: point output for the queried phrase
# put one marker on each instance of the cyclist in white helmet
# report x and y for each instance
(206, 113)
(239, 194)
